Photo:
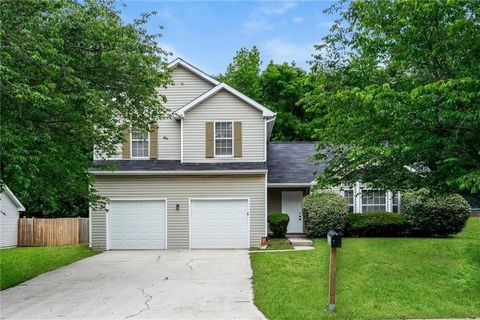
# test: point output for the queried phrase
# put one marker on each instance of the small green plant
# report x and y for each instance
(376, 223)
(432, 214)
(278, 223)
(324, 211)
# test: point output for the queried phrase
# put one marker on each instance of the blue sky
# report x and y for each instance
(208, 33)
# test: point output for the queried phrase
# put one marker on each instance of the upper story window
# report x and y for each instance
(374, 200)
(223, 138)
(350, 197)
(140, 142)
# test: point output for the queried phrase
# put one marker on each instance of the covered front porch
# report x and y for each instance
(291, 174)
(288, 200)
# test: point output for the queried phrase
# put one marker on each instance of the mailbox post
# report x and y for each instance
(334, 241)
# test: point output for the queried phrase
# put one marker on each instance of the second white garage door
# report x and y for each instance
(137, 224)
(219, 224)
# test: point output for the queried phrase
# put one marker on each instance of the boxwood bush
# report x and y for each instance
(376, 224)
(324, 211)
(278, 223)
(432, 214)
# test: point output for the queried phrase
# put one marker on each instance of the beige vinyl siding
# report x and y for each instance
(178, 189)
(187, 86)
(169, 139)
(223, 106)
(99, 225)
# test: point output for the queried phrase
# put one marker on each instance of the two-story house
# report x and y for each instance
(204, 178)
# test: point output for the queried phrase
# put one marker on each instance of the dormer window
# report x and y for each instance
(140, 143)
(223, 138)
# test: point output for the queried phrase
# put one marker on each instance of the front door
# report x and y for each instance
(292, 204)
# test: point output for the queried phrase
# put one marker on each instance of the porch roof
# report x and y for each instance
(289, 163)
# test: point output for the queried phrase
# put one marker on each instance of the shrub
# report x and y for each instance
(435, 214)
(278, 223)
(376, 223)
(324, 211)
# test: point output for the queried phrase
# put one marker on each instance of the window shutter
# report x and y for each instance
(154, 141)
(126, 144)
(209, 142)
(237, 136)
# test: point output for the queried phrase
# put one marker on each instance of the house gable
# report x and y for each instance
(221, 88)
(186, 87)
(224, 106)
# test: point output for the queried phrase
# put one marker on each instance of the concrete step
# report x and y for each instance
(300, 241)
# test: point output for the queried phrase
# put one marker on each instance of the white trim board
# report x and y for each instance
(289, 185)
(191, 172)
(12, 197)
(223, 86)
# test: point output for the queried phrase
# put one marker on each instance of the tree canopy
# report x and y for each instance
(73, 75)
(396, 95)
(280, 87)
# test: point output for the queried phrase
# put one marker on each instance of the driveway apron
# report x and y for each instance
(171, 284)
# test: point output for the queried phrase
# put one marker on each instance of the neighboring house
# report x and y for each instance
(205, 178)
(10, 207)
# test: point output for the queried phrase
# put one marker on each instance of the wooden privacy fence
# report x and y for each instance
(37, 232)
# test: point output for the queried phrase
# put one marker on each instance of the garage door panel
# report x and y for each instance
(138, 224)
(219, 224)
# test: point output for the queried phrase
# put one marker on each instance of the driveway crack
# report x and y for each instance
(188, 264)
(147, 300)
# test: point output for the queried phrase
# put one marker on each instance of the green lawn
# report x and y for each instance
(20, 264)
(377, 278)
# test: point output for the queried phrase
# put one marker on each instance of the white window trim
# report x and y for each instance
(357, 198)
(387, 207)
(354, 204)
(215, 140)
(131, 146)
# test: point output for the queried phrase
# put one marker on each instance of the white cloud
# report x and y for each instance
(275, 8)
(254, 25)
(261, 18)
(280, 51)
(298, 19)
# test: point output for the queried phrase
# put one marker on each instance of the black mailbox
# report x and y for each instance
(334, 240)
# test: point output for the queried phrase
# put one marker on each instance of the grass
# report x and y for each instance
(377, 278)
(279, 244)
(20, 264)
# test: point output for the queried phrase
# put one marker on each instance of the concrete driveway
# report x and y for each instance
(172, 284)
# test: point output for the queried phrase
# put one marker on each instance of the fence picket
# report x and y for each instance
(39, 232)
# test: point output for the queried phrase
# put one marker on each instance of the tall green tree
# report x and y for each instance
(397, 92)
(73, 75)
(282, 88)
(244, 72)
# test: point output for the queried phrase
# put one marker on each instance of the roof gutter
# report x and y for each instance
(173, 172)
(290, 185)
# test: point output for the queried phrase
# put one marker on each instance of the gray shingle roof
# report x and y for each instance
(175, 165)
(288, 162)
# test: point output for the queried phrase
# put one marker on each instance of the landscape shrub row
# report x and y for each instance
(423, 214)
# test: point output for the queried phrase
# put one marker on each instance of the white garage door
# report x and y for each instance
(219, 224)
(138, 224)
